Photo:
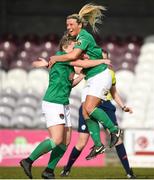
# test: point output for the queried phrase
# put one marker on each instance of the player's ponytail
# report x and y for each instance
(90, 13)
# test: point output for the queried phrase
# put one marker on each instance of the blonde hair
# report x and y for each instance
(90, 13)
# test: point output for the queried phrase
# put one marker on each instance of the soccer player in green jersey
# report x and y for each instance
(55, 107)
(83, 137)
(98, 78)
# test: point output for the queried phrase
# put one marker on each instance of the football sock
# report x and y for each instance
(123, 157)
(94, 131)
(44, 147)
(101, 116)
(56, 155)
(72, 158)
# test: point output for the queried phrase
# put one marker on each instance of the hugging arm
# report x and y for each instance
(86, 63)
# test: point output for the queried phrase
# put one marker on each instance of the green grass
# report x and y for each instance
(79, 173)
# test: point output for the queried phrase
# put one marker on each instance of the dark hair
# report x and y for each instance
(65, 41)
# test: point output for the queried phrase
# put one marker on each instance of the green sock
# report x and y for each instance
(94, 131)
(56, 155)
(102, 117)
(44, 147)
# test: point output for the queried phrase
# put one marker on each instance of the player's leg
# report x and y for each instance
(93, 98)
(59, 151)
(93, 125)
(56, 155)
(54, 124)
(43, 148)
(75, 153)
(81, 143)
(110, 109)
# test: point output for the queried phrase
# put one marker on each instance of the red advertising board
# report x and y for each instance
(18, 144)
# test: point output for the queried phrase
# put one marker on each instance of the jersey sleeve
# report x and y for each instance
(81, 44)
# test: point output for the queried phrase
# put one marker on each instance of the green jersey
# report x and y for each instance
(86, 42)
(60, 82)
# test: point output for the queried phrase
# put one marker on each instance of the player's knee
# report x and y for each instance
(80, 146)
(85, 114)
(89, 108)
(58, 140)
(120, 141)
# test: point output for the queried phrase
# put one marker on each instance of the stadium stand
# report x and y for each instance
(22, 87)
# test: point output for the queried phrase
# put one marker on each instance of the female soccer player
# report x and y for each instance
(110, 109)
(55, 106)
(98, 78)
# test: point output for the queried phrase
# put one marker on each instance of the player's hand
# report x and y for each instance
(51, 62)
(84, 56)
(108, 62)
(40, 63)
(127, 109)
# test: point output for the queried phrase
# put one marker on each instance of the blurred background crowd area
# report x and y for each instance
(32, 29)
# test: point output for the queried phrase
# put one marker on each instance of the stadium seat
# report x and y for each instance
(21, 64)
(25, 110)
(147, 48)
(21, 121)
(6, 111)
(9, 47)
(9, 92)
(4, 60)
(40, 122)
(122, 77)
(3, 78)
(7, 101)
(4, 121)
(17, 79)
(38, 80)
(31, 93)
(27, 101)
(45, 54)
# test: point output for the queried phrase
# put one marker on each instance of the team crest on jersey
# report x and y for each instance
(78, 42)
(61, 116)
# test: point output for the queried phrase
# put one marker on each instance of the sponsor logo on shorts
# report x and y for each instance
(61, 116)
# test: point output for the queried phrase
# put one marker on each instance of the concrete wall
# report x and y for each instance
(45, 16)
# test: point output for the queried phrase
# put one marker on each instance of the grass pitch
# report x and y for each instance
(79, 173)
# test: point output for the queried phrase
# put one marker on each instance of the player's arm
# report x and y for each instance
(78, 79)
(90, 63)
(41, 62)
(78, 70)
(65, 57)
(118, 99)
